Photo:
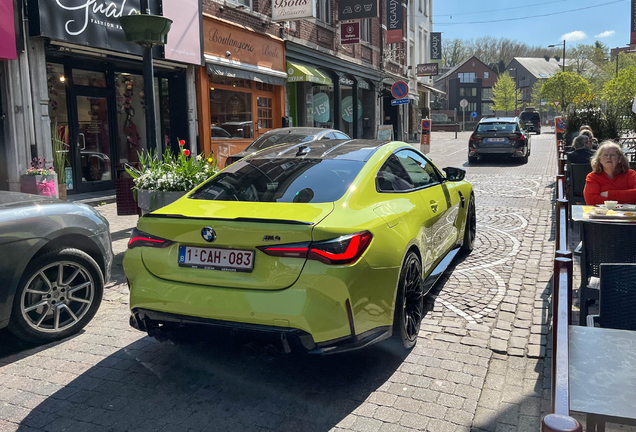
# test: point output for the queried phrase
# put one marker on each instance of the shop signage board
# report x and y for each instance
(395, 102)
(385, 132)
(184, 38)
(290, 10)
(399, 89)
(7, 31)
(85, 22)
(221, 37)
(322, 108)
(357, 9)
(427, 69)
(395, 21)
(436, 46)
(350, 33)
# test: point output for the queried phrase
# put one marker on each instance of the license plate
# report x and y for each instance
(496, 140)
(216, 259)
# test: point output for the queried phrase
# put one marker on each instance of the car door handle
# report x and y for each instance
(434, 206)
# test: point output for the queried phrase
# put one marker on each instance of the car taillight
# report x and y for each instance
(142, 239)
(342, 250)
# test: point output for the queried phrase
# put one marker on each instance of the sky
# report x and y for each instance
(604, 20)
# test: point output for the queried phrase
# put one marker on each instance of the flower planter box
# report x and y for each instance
(149, 200)
(44, 185)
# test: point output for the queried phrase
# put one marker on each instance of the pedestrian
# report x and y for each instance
(611, 178)
(582, 150)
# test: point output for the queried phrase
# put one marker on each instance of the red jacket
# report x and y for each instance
(621, 188)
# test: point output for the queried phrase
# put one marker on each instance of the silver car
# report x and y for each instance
(55, 258)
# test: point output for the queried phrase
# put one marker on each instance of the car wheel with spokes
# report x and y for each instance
(58, 295)
(409, 305)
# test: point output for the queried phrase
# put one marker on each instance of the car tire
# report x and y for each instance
(470, 228)
(44, 300)
(409, 303)
(472, 159)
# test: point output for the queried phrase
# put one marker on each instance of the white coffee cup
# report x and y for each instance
(611, 204)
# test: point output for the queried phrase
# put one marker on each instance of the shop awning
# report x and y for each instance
(299, 72)
(426, 87)
(235, 69)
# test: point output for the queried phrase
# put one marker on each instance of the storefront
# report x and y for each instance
(90, 86)
(324, 96)
(241, 93)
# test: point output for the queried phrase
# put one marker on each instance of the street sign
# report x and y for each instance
(395, 102)
(463, 103)
(426, 124)
(426, 136)
(473, 114)
(556, 103)
(399, 90)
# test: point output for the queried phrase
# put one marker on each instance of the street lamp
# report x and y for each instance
(516, 87)
(555, 45)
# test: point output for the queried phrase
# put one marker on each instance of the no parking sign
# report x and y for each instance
(400, 89)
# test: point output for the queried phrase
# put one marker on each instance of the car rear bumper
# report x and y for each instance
(511, 151)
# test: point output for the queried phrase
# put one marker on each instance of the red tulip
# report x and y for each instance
(186, 152)
(182, 143)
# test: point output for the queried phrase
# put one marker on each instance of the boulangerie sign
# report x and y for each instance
(7, 31)
(85, 22)
(184, 41)
(394, 21)
(290, 10)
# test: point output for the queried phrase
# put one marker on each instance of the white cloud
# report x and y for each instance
(574, 36)
(608, 33)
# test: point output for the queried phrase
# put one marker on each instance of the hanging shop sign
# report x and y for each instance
(7, 31)
(236, 43)
(184, 43)
(357, 9)
(427, 69)
(94, 23)
(350, 33)
(436, 46)
(633, 26)
(290, 10)
(395, 21)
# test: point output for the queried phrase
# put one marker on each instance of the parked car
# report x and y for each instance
(57, 259)
(320, 247)
(532, 120)
(291, 135)
(499, 135)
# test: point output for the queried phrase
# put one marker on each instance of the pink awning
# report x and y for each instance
(7, 31)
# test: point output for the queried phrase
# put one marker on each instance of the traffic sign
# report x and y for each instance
(463, 103)
(395, 102)
(399, 90)
(473, 114)
(426, 124)
(556, 103)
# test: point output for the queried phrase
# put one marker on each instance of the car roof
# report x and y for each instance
(499, 120)
(353, 149)
(300, 130)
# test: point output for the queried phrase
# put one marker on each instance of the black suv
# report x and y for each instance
(532, 120)
(501, 135)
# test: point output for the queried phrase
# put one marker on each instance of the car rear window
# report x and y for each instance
(530, 116)
(497, 127)
(281, 180)
(267, 141)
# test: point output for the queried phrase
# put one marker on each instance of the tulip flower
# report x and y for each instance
(181, 143)
(186, 152)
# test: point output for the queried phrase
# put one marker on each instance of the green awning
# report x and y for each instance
(299, 72)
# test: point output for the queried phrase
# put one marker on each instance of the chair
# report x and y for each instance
(576, 174)
(617, 298)
(603, 243)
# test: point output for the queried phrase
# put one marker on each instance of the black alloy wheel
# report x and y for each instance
(409, 306)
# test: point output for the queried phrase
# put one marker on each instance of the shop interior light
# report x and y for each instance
(62, 78)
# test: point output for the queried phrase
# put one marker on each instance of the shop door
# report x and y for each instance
(92, 162)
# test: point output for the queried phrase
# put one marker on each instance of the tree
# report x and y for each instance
(505, 94)
(564, 87)
(454, 52)
(620, 91)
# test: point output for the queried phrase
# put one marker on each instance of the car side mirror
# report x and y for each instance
(454, 174)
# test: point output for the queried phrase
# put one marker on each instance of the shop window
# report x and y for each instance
(231, 114)
(232, 82)
(89, 78)
(265, 117)
(322, 101)
(264, 87)
(323, 11)
(247, 3)
(58, 112)
(131, 116)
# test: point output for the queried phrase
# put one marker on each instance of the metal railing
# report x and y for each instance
(559, 420)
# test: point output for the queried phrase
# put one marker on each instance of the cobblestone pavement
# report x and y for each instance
(479, 363)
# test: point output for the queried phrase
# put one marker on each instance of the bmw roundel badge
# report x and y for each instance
(208, 234)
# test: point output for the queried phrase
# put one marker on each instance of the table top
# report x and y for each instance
(603, 371)
(581, 213)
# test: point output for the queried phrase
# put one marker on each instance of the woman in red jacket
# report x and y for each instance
(610, 179)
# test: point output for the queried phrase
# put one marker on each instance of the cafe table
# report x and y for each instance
(609, 239)
(602, 371)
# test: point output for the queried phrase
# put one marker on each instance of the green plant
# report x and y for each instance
(505, 94)
(606, 121)
(59, 155)
(565, 87)
(172, 173)
(38, 167)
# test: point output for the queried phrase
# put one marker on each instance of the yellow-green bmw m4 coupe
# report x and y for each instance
(324, 247)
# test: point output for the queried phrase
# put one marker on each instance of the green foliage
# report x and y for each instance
(606, 122)
(173, 172)
(619, 93)
(505, 94)
(564, 87)
(59, 154)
